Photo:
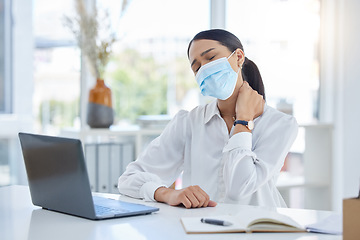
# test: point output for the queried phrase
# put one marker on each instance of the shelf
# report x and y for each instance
(141, 136)
(287, 181)
(117, 131)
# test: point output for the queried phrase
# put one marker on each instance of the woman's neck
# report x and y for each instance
(227, 107)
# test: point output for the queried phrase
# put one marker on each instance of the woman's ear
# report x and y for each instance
(240, 57)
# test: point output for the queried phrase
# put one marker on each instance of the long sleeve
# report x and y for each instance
(159, 165)
(249, 165)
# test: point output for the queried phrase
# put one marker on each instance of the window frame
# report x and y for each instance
(7, 45)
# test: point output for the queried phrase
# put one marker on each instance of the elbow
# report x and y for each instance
(240, 191)
(121, 185)
(239, 183)
(236, 190)
(126, 188)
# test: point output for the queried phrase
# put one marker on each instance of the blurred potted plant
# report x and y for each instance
(95, 38)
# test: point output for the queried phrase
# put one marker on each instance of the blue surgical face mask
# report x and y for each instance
(217, 78)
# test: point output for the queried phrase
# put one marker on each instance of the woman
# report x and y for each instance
(230, 150)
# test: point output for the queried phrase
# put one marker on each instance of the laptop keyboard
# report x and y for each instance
(102, 211)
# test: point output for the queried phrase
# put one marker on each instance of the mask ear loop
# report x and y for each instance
(231, 56)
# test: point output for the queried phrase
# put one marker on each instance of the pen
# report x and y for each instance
(215, 222)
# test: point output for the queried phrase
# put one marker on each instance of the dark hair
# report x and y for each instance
(250, 71)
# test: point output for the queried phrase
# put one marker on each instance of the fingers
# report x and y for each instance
(194, 202)
(212, 204)
(194, 197)
(201, 196)
(244, 86)
(246, 91)
(186, 202)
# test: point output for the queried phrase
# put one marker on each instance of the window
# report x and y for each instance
(56, 68)
(5, 56)
(281, 37)
(150, 73)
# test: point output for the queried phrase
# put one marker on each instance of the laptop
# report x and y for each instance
(58, 180)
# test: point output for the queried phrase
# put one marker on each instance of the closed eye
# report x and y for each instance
(209, 59)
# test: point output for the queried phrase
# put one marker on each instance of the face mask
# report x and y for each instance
(217, 78)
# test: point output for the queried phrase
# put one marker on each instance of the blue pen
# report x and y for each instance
(215, 222)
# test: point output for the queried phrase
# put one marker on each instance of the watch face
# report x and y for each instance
(250, 125)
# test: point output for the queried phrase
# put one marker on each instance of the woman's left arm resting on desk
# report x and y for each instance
(246, 170)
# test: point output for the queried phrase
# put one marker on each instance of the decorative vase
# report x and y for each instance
(99, 110)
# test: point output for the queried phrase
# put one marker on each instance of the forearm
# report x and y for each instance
(138, 184)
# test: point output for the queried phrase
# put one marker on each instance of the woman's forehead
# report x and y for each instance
(198, 47)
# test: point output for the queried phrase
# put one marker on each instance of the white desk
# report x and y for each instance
(19, 219)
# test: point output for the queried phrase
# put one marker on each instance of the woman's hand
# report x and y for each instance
(249, 103)
(190, 197)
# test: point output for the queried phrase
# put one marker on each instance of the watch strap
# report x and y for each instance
(242, 122)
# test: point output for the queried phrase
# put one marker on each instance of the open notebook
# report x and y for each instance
(248, 221)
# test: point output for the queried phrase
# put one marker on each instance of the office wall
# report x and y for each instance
(21, 118)
(339, 92)
(351, 93)
(23, 45)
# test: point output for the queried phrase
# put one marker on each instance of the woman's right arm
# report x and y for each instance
(159, 164)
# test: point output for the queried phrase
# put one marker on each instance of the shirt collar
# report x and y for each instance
(210, 111)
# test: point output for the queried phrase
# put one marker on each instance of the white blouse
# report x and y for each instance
(240, 168)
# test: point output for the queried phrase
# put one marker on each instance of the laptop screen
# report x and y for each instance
(57, 173)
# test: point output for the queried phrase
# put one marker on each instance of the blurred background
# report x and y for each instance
(305, 49)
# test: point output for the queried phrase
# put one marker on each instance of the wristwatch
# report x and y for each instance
(248, 124)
